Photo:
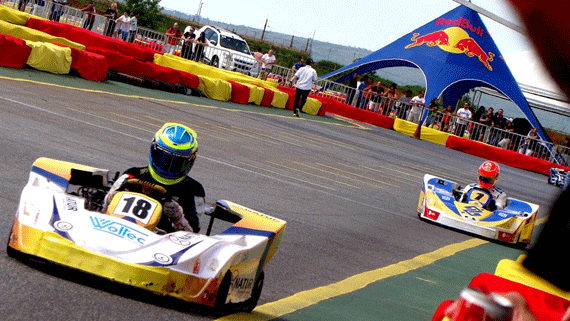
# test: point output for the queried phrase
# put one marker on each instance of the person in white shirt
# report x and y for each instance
(463, 115)
(123, 22)
(418, 103)
(133, 27)
(267, 62)
(305, 78)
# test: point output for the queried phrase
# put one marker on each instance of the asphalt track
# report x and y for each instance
(354, 248)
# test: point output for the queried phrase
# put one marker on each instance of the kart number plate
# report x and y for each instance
(136, 206)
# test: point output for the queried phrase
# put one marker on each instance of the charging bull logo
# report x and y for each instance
(454, 40)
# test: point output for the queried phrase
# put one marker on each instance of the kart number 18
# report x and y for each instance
(136, 206)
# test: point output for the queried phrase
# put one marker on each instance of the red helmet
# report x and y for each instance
(488, 174)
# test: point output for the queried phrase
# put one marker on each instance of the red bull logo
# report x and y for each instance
(455, 40)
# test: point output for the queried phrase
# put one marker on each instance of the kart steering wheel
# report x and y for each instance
(147, 188)
(482, 196)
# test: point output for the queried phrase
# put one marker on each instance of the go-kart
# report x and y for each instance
(442, 202)
(559, 177)
(59, 219)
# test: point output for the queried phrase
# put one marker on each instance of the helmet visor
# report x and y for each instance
(487, 180)
(170, 164)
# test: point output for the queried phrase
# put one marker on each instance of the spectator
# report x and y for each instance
(486, 120)
(498, 125)
(529, 145)
(38, 8)
(267, 62)
(22, 5)
(353, 84)
(366, 81)
(366, 93)
(188, 37)
(474, 128)
(388, 102)
(133, 22)
(507, 142)
(124, 26)
(446, 118)
(90, 16)
(401, 107)
(258, 55)
(418, 103)
(376, 93)
(112, 14)
(299, 64)
(305, 77)
(199, 48)
(464, 115)
(56, 9)
(172, 36)
(432, 110)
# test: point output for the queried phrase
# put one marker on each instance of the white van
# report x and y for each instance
(227, 50)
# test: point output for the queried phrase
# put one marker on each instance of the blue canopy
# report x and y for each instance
(455, 52)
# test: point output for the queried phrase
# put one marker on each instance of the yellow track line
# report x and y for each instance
(307, 298)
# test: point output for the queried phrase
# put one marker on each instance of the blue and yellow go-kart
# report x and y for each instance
(59, 220)
(442, 202)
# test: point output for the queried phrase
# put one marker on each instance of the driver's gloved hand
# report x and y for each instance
(175, 214)
(113, 190)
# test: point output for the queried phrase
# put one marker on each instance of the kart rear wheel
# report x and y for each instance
(251, 303)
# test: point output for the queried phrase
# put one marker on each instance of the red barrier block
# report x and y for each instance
(339, 108)
(503, 156)
(89, 65)
(267, 97)
(240, 93)
(14, 52)
(92, 40)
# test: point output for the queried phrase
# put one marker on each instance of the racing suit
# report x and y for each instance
(187, 197)
(499, 200)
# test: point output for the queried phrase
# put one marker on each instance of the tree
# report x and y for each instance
(149, 12)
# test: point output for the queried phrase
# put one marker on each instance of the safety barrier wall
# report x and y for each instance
(318, 103)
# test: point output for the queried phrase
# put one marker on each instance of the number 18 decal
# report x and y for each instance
(136, 206)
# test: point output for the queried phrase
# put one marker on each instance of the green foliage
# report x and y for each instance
(149, 12)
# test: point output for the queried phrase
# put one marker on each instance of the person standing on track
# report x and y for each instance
(305, 78)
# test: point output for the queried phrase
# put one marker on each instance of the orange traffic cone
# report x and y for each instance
(418, 132)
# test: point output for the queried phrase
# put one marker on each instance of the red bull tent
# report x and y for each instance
(455, 52)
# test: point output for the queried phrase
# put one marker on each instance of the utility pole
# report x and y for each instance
(197, 18)
(264, 27)
(292, 37)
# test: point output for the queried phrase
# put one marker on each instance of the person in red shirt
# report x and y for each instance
(173, 35)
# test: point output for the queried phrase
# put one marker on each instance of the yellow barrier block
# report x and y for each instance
(280, 99)
(429, 134)
(200, 69)
(15, 16)
(514, 271)
(29, 34)
(312, 106)
(49, 57)
(215, 88)
(255, 93)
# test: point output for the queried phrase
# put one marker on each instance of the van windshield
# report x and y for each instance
(234, 44)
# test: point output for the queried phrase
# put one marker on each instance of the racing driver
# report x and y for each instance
(172, 154)
(485, 191)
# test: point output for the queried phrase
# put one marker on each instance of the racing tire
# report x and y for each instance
(223, 291)
(251, 303)
(215, 62)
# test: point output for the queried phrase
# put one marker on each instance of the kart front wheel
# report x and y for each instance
(223, 291)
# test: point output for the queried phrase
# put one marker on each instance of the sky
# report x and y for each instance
(365, 24)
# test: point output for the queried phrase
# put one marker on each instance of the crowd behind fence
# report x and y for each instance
(386, 104)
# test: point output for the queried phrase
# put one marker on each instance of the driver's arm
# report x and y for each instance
(501, 201)
(113, 190)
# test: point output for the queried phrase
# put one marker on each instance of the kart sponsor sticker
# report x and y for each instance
(184, 239)
(70, 204)
(119, 230)
(63, 226)
(162, 258)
